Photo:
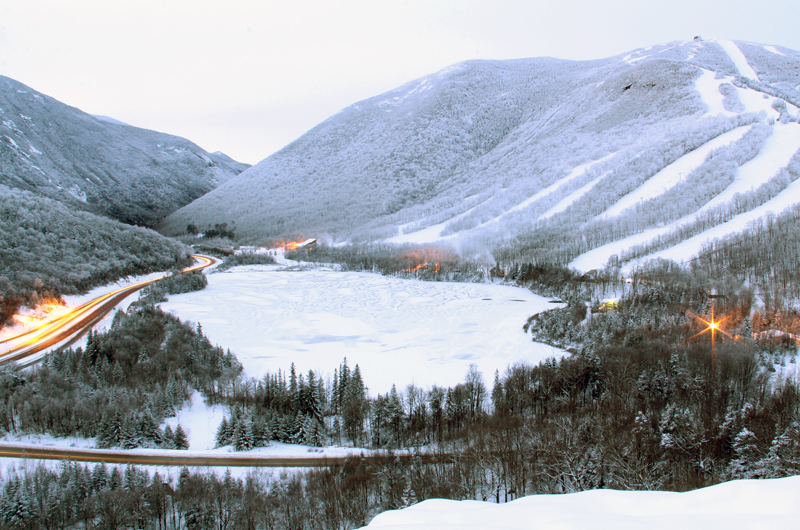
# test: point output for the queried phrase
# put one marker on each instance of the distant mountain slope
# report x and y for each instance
(539, 159)
(230, 162)
(131, 174)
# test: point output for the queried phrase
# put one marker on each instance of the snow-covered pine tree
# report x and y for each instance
(181, 440)
(223, 437)
(168, 440)
(746, 455)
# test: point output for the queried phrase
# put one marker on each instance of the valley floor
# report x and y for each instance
(398, 331)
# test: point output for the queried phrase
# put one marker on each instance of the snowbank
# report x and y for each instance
(744, 504)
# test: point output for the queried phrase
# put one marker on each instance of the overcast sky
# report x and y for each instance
(248, 77)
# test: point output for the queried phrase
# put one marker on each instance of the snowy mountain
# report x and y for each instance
(553, 160)
(99, 164)
(222, 157)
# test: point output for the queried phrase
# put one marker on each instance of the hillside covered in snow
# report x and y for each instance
(100, 165)
(560, 161)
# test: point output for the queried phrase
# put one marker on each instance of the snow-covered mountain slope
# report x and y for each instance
(99, 164)
(548, 159)
(737, 505)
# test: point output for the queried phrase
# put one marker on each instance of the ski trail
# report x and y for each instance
(708, 87)
(776, 153)
(685, 250)
(674, 173)
(564, 203)
(738, 58)
(430, 234)
(576, 172)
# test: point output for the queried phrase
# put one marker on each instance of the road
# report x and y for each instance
(172, 459)
(72, 325)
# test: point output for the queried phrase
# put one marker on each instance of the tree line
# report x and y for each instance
(423, 262)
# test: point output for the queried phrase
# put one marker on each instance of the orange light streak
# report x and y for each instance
(52, 327)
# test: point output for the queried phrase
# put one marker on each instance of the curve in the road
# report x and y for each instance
(76, 322)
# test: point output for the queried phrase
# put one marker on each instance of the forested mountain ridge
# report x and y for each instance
(130, 174)
(544, 159)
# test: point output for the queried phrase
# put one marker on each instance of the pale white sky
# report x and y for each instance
(248, 77)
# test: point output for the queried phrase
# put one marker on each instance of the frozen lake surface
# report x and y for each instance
(398, 331)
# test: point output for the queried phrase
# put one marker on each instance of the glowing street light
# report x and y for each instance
(713, 326)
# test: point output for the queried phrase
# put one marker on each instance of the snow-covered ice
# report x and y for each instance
(736, 505)
(398, 331)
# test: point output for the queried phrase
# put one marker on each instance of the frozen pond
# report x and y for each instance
(397, 331)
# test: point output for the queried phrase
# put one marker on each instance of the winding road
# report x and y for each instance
(75, 323)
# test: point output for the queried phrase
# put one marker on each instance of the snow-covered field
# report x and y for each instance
(398, 331)
(743, 504)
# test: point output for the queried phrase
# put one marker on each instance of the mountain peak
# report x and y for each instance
(530, 151)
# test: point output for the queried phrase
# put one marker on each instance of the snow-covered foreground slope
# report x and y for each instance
(398, 331)
(744, 504)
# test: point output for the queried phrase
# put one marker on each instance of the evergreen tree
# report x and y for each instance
(746, 451)
(239, 436)
(396, 416)
(100, 477)
(168, 441)
(335, 393)
(497, 392)
(293, 390)
(181, 440)
(115, 480)
(223, 433)
(353, 406)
